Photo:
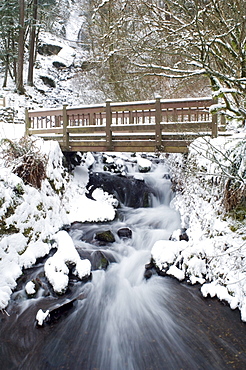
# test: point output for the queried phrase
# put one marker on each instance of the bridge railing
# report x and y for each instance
(2, 102)
(165, 125)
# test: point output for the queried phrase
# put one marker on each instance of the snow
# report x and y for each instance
(214, 255)
(176, 272)
(30, 288)
(41, 316)
(11, 131)
(38, 215)
(56, 267)
(215, 252)
(84, 209)
(164, 252)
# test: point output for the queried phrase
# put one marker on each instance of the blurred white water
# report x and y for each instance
(119, 320)
(126, 312)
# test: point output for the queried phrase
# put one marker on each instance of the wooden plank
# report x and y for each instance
(176, 143)
(134, 137)
(87, 137)
(186, 127)
(53, 130)
(90, 109)
(133, 128)
(52, 137)
(89, 143)
(85, 148)
(139, 149)
(42, 113)
(133, 144)
(86, 129)
(189, 136)
(174, 149)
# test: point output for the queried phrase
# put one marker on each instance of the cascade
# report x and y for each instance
(120, 320)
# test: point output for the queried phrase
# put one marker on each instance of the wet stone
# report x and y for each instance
(183, 235)
(127, 190)
(105, 236)
(99, 261)
(125, 232)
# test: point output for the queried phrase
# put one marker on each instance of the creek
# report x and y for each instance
(119, 320)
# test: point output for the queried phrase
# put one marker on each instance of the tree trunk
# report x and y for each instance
(19, 82)
(6, 71)
(32, 43)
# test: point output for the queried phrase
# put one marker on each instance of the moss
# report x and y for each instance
(2, 201)
(23, 250)
(238, 213)
(40, 207)
(7, 229)
(28, 232)
(233, 228)
(59, 191)
(18, 189)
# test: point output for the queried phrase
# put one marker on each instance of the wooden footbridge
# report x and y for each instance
(141, 126)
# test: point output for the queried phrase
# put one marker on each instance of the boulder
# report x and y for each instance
(48, 81)
(124, 232)
(99, 261)
(183, 235)
(144, 165)
(48, 49)
(59, 65)
(149, 270)
(127, 190)
(105, 236)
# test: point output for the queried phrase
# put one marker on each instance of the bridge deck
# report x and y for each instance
(143, 126)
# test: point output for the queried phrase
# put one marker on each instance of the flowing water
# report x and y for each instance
(121, 321)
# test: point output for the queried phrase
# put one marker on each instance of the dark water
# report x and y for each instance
(121, 320)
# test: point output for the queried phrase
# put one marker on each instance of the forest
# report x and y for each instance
(180, 48)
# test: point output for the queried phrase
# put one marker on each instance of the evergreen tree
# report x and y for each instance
(8, 38)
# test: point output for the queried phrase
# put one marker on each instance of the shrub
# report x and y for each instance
(26, 160)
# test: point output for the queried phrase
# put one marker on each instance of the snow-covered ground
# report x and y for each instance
(215, 254)
(30, 217)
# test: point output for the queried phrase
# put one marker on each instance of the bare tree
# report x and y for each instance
(180, 40)
(200, 37)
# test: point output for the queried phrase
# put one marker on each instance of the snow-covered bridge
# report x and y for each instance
(142, 126)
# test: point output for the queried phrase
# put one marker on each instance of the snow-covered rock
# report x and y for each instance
(57, 267)
(30, 288)
(41, 316)
(144, 164)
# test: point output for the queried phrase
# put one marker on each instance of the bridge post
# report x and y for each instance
(27, 122)
(215, 121)
(158, 122)
(108, 124)
(65, 124)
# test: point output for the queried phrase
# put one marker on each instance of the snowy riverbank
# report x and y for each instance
(213, 256)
